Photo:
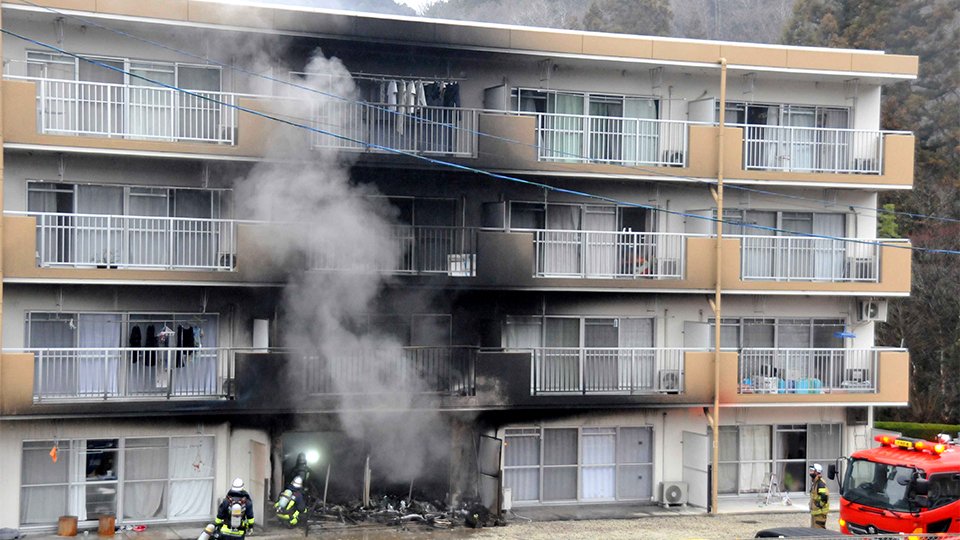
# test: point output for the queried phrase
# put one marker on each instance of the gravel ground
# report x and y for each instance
(722, 527)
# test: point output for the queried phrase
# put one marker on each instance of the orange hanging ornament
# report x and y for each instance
(53, 453)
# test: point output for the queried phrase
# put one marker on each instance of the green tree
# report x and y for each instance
(887, 226)
(643, 17)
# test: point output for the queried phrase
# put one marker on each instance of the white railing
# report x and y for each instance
(440, 370)
(92, 240)
(800, 258)
(808, 149)
(420, 130)
(135, 373)
(450, 251)
(579, 138)
(607, 370)
(135, 112)
(609, 254)
(807, 371)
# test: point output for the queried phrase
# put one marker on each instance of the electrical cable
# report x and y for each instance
(654, 172)
(468, 168)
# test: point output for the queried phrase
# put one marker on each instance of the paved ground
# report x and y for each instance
(741, 521)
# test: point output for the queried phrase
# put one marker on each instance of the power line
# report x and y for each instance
(399, 112)
(468, 168)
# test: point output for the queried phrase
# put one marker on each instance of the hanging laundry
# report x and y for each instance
(432, 94)
(392, 95)
(421, 97)
(151, 342)
(136, 341)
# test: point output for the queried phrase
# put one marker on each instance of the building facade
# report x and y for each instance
(234, 234)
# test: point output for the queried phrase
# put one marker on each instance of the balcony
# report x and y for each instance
(105, 241)
(798, 258)
(807, 371)
(419, 250)
(371, 127)
(571, 138)
(119, 374)
(607, 370)
(609, 254)
(813, 150)
(656, 148)
(416, 370)
(837, 376)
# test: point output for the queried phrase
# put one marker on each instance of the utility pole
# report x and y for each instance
(716, 303)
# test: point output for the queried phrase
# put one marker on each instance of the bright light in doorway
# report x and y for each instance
(312, 456)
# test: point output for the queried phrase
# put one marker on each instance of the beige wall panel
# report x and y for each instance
(477, 37)
(16, 382)
(617, 46)
(206, 12)
(395, 30)
(537, 40)
(898, 156)
(885, 63)
(79, 5)
(698, 376)
(320, 23)
(825, 60)
(686, 51)
(159, 9)
(754, 56)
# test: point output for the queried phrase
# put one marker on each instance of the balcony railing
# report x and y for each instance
(415, 370)
(577, 138)
(70, 374)
(807, 371)
(607, 370)
(105, 241)
(450, 251)
(609, 254)
(800, 258)
(449, 131)
(809, 149)
(135, 112)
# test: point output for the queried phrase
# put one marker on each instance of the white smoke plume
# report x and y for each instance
(345, 235)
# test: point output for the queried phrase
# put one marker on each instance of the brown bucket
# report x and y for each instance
(107, 525)
(67, 526)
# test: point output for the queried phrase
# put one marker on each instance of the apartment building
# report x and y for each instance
(525, 214)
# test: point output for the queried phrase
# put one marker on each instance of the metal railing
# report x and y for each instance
(802, 258)
(807, 371)
(70, 374)
(134, 112)
(609, 254)
(577, 138)
(105, 241)
(606, 370)
(450, 251)
(810, 149)
(430, 130)
(415, 370)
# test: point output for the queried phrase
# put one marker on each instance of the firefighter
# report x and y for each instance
(291, 503)
(235, 514)
(819, 498)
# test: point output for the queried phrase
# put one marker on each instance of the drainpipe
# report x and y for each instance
(716, 303)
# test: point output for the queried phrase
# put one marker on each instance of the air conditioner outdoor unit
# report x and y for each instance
(670, 380)
(873, 310)
(673, 493)
(506, 499)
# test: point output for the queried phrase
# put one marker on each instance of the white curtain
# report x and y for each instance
(754, 446)
(97, 370)
(829, 255)
(145, 473)
(637, 368)
(641, 138)
(563, 249)
(44, 495)
(601, 254)
(150, 106)
(560, 464)
(147, 237)
(598, 475)
(729, 456)
(565, 133)
(191, 474)
(523, 333)
(522, 451)
(802, 142)
(823, 447)
(98, 239)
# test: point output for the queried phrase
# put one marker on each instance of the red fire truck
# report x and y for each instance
(905, 486)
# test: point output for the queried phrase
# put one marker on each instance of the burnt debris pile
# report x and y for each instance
(402, 512)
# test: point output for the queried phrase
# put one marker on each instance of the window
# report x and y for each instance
(750, 453)
(137, 479)
(587, 464)
(799, 333)
(104, 199)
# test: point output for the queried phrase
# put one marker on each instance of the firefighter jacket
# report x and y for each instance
(819, 497)
(294, 507)
(242, 498)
